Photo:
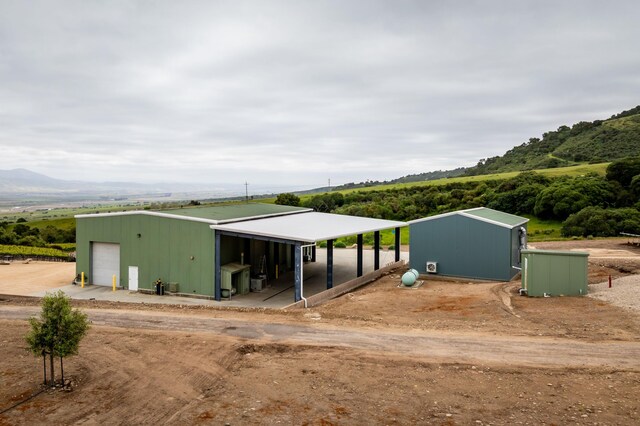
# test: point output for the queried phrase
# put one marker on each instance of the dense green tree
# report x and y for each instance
(599, 222)
(623, 171)
(521, 200)
(58, 331)
(288, 199)
(327, 202)
(558, 202)
(7, 237)
(634, 187)
(32, 241)
(570, 195)
(21, 229)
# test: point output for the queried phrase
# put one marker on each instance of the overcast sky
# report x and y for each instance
(297, 92)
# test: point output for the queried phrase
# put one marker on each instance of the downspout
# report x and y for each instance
(301, 273)
(523, 244)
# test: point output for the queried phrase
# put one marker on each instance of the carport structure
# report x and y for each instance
(306, 230)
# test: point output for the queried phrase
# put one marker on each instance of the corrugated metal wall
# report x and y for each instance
(554, 273)
(163, 250)
(464, 247)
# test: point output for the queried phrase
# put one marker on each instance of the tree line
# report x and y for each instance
(589, 205)
(24, 235)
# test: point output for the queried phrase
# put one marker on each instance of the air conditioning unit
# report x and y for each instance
(432, 267)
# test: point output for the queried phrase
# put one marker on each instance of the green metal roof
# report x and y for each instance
(485, 214)
(231, 212)
(496, 216)
(214, 214)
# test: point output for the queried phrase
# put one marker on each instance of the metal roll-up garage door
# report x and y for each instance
(105, 263)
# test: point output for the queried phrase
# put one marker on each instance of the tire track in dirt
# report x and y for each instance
(427, 345)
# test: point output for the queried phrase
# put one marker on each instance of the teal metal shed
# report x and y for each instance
(554, 273)
(479, 243)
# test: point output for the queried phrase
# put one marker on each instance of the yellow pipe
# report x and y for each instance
(114, 283)
(276, 272)
(82, 280)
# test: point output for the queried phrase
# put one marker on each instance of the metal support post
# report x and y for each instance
(376, 250)
(359, 267)
(329, 264)
(297, 265)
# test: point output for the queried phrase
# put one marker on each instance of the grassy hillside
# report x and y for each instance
(576, 170)
(585, 142)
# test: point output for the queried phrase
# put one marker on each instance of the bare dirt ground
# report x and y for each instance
(35, 276)
(445, 353)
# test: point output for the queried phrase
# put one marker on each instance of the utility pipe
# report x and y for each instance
(301, 273)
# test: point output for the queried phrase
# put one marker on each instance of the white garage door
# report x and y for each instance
(105, 263)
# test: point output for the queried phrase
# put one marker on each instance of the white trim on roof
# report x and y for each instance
(191, 218)
(472, 216)
(310, 227)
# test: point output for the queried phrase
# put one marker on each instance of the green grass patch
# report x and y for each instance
(556, 172)
(543, 230)
(66, 223)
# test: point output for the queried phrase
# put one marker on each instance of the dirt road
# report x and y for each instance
(430, 346)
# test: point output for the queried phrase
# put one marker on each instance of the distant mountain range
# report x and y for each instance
(595, 142)
(26, 186)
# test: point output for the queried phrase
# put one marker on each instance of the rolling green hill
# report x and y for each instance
(585, 142)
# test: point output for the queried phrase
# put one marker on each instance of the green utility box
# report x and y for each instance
(236, 275)
(554, 273)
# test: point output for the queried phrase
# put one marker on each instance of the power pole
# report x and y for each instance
(246, 191)
(329, 184)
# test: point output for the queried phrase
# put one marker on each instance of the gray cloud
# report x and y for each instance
(289, 92)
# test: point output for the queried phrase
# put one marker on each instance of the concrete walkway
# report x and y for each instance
(277, 294)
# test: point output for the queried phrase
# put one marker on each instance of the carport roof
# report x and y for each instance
(308, 227)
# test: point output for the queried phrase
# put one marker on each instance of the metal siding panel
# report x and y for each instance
(579, 275)
(462, 246)
(559, 276)
(162, 251)
(483, 249)
(82, 247)
(183, 241)
(556, 274)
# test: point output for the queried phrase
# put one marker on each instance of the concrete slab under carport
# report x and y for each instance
(306, 230)
(280, 292)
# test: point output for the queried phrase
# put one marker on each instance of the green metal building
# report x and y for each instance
(210, 251)
(554, 273)
(139, 247)
(479, 243)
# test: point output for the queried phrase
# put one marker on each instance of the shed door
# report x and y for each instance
(105, 263)
(133, 278)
